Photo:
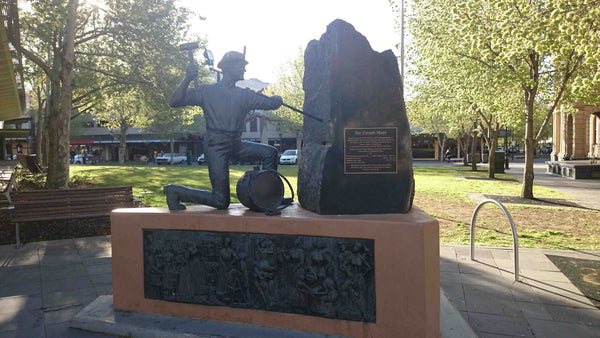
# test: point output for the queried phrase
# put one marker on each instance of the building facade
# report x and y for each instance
(90, 137)
(576, 136)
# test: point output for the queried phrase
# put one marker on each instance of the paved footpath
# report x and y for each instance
(544, 303)
(44, 284)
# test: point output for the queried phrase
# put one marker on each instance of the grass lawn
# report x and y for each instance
(440, 191)
(148, 181)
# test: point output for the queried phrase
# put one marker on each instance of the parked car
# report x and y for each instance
(166, 159)
(289, 156)
(89, 159)
(201, 159)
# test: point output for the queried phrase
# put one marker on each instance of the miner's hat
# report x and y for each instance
(231, 57)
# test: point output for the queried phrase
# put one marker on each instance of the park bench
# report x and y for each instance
(8, 181)
(31, 163)
(51, 205)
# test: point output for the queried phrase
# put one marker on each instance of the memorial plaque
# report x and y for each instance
(370, 150)
(318, 276)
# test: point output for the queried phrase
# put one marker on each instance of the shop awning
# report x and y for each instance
(81, 142)
(10, 104)
(14, 133)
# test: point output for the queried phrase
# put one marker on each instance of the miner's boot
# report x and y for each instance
(175, 194)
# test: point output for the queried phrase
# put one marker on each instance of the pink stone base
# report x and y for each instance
(407, 268)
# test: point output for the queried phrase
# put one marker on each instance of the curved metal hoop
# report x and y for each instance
(512, 225)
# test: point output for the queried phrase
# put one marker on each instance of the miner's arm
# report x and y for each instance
(178, 99)
(259, 101)
(276, 101)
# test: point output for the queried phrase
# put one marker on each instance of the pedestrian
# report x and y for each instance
(448, 155)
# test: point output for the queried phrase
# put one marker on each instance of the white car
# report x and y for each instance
(89, 159)
(166, 159)
(289, 156)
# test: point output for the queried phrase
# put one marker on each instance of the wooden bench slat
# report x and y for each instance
(41, 218)
(30, 206)
(68, 201)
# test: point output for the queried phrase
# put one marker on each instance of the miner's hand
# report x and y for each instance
(277, 100)
(191, 72)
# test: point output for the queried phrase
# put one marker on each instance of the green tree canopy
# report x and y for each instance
(85, 49)
(289, 86)
(495, 53)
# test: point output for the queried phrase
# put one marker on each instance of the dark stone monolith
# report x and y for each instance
(359, 160)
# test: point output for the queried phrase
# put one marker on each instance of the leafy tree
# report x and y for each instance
(289, 86)
(122, 111)
(84, 49)
(543, 49)
(430, 119)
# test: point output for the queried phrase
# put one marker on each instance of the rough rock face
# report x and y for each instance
(360, 160)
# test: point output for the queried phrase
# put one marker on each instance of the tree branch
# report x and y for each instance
(30, 55)
(563, 86)
(119, 79)
(95, 90)
(83, 38)
(97, 54)
(472, 58)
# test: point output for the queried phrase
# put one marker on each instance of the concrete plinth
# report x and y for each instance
(574, 169)
(406, 272)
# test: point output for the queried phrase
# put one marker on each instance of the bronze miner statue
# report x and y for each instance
(225, 108)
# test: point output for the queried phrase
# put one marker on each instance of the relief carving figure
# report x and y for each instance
(197, 273)
(211, 262)
(244, 291)
(292, 261)
(327, 295)
(265, 269)
(186, 281)
(170, 275)
(344, 274)
(230, 277)
(355, 288)
(153, 271)
(320, 260)
(225, 108)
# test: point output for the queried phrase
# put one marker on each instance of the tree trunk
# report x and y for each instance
(39, 137)
(45, 148)
(60, 117)
(527, 189)
(493, 142)
(38, 146)
(441, 140)
(464, 142)
(122, 145)
(264, 130)
(3, 154)
(172, 149)
(298, 144)
(473, 151)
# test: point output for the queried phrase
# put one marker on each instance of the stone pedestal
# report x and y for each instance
(404, 278)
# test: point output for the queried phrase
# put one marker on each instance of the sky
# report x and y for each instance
(273, 31)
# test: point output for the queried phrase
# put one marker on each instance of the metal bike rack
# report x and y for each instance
(512, 225)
